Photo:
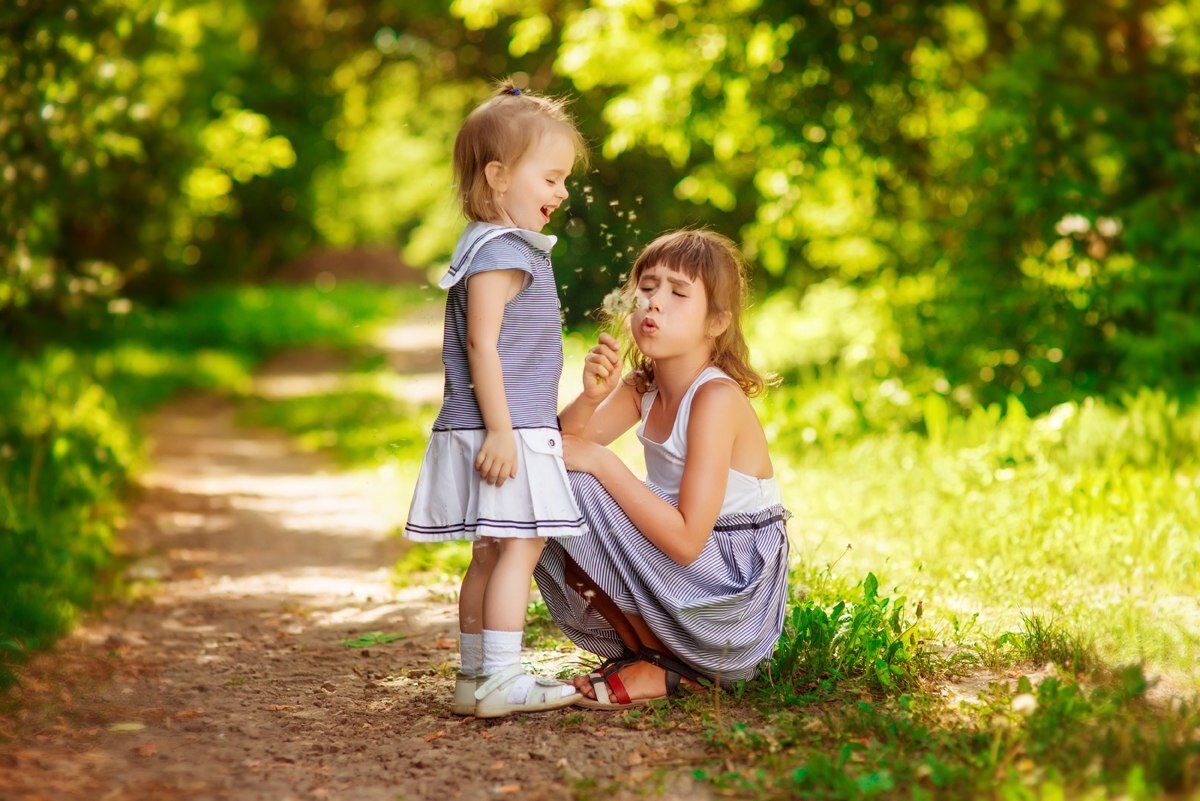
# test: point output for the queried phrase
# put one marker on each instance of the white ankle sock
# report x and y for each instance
(502, 649)
(470, 649)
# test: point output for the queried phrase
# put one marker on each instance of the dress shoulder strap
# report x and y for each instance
(647, 400)
(683, 416)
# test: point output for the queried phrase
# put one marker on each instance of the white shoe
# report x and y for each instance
(464, 694)
(491, 697)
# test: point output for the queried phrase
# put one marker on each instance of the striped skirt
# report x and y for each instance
(722, 614)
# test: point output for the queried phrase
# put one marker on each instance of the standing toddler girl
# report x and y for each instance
(493, 472)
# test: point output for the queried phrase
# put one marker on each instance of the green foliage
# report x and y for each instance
(999, 174)
(124, 147)
(65, 452)
(1010, 189)
(68, 440)
(445, 561)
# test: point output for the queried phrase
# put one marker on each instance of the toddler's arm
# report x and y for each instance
(487, 293)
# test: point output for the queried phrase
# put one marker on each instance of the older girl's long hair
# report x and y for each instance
(718, 264)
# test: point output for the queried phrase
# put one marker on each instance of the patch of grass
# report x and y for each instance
(373, 638)
(1084, 516)
(541, 632)
(865, 637)
(1058, 739)
(433, 561)
(361, 427)
(1040, 641)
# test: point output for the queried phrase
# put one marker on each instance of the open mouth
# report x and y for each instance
(546, 211)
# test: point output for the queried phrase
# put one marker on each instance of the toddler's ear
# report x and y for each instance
(497, 176)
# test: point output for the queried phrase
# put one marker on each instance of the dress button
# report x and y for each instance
(551, 443)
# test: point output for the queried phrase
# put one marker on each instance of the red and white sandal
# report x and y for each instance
(611, 694)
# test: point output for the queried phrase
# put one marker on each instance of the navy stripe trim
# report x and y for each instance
(773, 519)
(484, 521)
(484, 428)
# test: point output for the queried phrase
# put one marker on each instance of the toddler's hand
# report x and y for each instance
(601, 368)
(496, 461)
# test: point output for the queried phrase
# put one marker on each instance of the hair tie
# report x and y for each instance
(514, 91)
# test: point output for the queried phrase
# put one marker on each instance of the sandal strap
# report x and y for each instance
(671, 664)
(627, 658)
(618, 689)
(498, 679)
(600, 686)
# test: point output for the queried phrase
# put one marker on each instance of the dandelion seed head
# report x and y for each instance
(1024, 704)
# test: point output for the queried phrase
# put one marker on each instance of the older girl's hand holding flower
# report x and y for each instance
(601, 369)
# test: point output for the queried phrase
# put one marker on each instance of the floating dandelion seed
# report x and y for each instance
(614, 203)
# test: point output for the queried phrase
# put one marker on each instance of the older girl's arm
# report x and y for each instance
(681, 533)
(607, 406)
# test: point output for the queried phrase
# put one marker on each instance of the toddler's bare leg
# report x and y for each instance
(507, 595)
(484, 555)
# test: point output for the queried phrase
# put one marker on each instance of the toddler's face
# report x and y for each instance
(536, 185)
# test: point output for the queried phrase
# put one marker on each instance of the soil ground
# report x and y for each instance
(227, 677)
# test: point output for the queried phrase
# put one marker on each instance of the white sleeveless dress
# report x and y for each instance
(723, 613)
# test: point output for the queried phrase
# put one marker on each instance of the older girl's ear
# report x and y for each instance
(719, 323)
(497, 176)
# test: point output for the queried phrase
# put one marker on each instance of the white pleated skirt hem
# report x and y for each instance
(451, 501)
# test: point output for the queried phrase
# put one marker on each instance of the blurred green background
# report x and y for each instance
(974, 229)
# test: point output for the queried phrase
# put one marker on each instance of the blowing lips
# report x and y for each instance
(648, 325)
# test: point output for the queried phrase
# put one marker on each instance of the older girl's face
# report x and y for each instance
(671, 317)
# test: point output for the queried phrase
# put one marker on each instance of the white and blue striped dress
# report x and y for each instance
(451, 501)
(723, 613)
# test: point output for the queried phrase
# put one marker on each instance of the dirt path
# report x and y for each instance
(229, 679)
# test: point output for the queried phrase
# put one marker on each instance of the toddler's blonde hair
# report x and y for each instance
(503, 129)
